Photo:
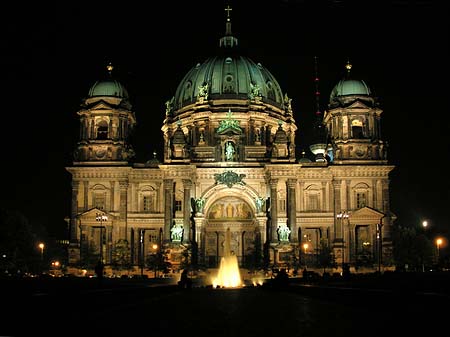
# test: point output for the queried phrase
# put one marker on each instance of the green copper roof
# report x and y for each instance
(109, 87)
(228, 76)
(347, 87)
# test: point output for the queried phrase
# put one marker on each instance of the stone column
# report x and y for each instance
(168, 209)
(85, 195)
(386, 229)
(187, 210)
(292, 209)
(338, 241)
(111, 199)
(337, 210)
(158, 194)
(123, 187)
(74, 212)
(273, 210)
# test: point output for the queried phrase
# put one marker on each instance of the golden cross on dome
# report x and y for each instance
(228, 9)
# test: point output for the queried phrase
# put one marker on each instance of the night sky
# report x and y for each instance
(53, 54)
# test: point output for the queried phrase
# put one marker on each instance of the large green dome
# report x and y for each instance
(230, 77)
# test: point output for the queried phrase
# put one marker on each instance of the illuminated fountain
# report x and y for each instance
(229, 275)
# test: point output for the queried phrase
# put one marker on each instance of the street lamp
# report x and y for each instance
(142, 245)
(41, 247)
(341, 216)
(156, 264)
(305, 247)
(380, 244)
(424, 226)
(438, 245)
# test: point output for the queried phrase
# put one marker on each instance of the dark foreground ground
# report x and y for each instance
(365, 307)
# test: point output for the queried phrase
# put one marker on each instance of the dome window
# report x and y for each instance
(229, 78)
(228, 60)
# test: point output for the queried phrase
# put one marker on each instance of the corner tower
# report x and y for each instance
(353, 123)
(106, 121)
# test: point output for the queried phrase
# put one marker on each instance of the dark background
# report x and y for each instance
(52, 54)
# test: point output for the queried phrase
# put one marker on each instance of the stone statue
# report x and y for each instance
(176, 233)
(169, 104)
(259, 204)
(203, 91)
(255, 91)
(288, 103)
(199, 204)
(283, 233)
(229, 151)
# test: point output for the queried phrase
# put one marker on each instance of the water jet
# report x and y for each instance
(229, 275)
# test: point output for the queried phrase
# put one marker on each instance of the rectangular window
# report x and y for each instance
(99, 200)
(178, 205)
(313, 202)
(147, 203)
(360, 200)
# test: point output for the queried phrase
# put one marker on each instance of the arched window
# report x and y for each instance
(357, 129)
(99, 194)
(361, 195)
(313, 198)
(147, 199)
(102, 130)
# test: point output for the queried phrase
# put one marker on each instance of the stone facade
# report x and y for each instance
(229, 162)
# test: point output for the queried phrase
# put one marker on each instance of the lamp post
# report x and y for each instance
(101, 217)
(155, 247)
(305, 249)
(341, 216)
(438, 246)
(41, 247)
(379, 244)
(142, 246)
(424, 226)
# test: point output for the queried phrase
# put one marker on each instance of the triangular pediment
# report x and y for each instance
(101, 105)
(357, 104)
(92, 214)
(367, 214)
(230, 130)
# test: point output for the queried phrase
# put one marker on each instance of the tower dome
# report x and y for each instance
(108, 87)
(349, 89)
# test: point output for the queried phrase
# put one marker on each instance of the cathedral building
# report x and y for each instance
(229, 163)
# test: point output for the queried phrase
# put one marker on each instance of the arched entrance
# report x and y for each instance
(235, 213)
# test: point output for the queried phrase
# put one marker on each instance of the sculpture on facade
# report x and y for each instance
(176, 233)
(283, 233)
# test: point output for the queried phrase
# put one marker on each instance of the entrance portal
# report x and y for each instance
(230, 225)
